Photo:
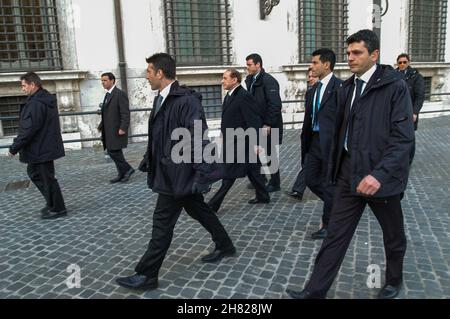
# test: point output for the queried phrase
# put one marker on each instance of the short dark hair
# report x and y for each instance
(110, 76)
(235, 74)
(326, 55)
(256, 58)
(32, 77)
(403, 55)
(165, 63)
(371, 40)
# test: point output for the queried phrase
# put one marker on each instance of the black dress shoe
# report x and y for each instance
(218, 254)
(53, 215)
(127, 175)
(258, 201)
(304, 294)
(389, 292)
(137, 281)
(116, 180)
(45, 210)
(296, 195)
(320, 234)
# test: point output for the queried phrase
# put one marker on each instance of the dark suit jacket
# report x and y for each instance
(115, 116)
(326, 119)
(239, 111)
(266, 91)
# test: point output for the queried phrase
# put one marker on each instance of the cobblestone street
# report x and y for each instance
(108, 228)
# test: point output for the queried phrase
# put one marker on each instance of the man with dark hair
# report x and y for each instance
(178, 185)
(318, 129)
(40, 143)
(415, 83)
(369, 161)
(240, 111)
(114, 126)
(266, 91)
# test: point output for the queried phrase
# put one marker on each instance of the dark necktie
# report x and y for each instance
(158, 103)
(253, 83)
(348, 138)
(225, 101)
(106, 99)
(316, 107)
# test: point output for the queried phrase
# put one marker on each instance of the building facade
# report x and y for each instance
(70, 43)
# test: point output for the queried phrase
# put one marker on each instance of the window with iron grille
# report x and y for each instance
(10, 107)
(198, 31)
(322, 24)
(427, 81)
(29, 38)
(427, 30)
(211, 100)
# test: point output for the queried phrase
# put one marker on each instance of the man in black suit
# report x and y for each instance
(266, 90)
(317, 132)
(415, 83)
(40, 143)
(114, 126)
(179, 185)
(300, 181)
(369, 161)
(239, 112)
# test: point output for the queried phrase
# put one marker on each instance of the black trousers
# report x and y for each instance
(167, 211)
(121, 164)
(315, 176)
(43, 176)
(300, 181)
(255, 177)
(347, 211)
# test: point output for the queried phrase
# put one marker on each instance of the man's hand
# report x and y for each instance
(369, 186)
(266, 130)
(11, 154)
(415, 117)
(258, 149)
(143, 166)
(122, 132)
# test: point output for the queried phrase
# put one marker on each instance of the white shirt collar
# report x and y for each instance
(326, 80)
(230, 92)
(366, 76)
(110, 90)
(165, 92)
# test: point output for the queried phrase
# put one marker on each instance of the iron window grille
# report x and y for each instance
(211, 100)
(29, 36)
(427, 30)
(198, 31)
(10, 106)
(322, 24)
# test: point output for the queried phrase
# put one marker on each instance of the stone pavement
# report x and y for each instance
(108, 228)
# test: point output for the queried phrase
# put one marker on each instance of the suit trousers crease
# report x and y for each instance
(165, 216)
(316, 178)
(121, 164)
(346, 213)
(43, 176)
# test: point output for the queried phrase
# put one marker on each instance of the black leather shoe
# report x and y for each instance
(271, 188)
(296, 195)
(320, 234)
(139, 282)
(218, 254)
(304, 294)
(127, 175)
(258, 201)
(45, 210)
(116, 180)
(389, 292)
(53, 215)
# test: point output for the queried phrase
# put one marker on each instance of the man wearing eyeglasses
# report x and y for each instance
(415, 83)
